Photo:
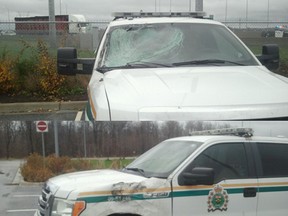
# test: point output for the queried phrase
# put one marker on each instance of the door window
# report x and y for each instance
(228, 161)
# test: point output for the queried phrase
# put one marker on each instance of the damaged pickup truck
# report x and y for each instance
(184, 176)
(178, 66)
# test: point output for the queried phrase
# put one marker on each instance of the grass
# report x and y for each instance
(256, 49)
(13, 45)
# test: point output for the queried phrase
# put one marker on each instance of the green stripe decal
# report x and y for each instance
(88, 111)
(273, 189)
(203, 192)
(188, 193)
(117, 198)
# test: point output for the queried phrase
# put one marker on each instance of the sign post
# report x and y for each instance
(42, 127)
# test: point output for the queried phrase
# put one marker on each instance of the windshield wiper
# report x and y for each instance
(141, 171)
(147, 64)
(206, 61)
(131, 65)
(104, 69)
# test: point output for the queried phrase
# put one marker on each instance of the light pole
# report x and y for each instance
(52, 26)
(189, 5)
(60, 7)
(170, 5)
(246, 13)
(8, 11)
(198, 5)
(226, 10)
(246, 10)
(268, 13)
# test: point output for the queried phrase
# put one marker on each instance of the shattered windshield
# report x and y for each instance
(177, 44)
(164, 158)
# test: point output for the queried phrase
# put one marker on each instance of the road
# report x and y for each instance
(17, 197)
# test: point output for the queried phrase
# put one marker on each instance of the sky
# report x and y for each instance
(96, 10)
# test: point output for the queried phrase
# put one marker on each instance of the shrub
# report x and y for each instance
(34, 170)
(43, 71)
(38, 169)
(7, 77)
(58, 165)
(81, 164)
(32, 71)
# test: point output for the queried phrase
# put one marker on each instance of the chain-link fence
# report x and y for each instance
(87, 35)
(80, 35)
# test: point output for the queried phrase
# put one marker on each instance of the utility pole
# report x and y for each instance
(52, 25)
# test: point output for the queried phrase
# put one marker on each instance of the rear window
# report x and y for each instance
(274, 159)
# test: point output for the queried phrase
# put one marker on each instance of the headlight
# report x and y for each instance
(62, 207)
(67, 208)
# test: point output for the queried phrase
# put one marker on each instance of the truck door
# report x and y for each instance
(233, 190)
(273, 178)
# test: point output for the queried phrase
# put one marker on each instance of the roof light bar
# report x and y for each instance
(198, 14)
(243, 132)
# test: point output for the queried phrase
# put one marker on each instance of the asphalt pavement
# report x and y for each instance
(18, 197)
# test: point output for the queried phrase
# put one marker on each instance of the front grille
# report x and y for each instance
(45, 201)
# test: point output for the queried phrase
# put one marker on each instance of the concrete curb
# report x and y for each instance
(41, 106)
(19, 180)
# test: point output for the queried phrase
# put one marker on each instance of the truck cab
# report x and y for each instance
(221, 172)
(178, 66)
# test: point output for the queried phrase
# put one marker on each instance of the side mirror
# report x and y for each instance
(69, 64)
(270, 56)
(198, 176)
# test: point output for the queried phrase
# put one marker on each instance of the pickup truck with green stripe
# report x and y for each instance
(211, 174)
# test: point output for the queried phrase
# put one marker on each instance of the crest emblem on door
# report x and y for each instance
(217, 199)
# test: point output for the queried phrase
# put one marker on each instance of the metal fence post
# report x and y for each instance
(56, 139)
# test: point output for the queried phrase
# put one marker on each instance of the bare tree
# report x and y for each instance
(9, 136)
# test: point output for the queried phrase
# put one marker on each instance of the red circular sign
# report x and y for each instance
(42, 126)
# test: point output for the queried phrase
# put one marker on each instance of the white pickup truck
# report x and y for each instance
(178, 66)
(184, 176)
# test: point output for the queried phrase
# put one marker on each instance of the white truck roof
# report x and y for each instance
(144, 20)
(224, 138)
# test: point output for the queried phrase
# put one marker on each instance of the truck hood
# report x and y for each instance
(196, 93)
(69, 186)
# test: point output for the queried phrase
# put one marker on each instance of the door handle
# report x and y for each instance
(249, 192)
